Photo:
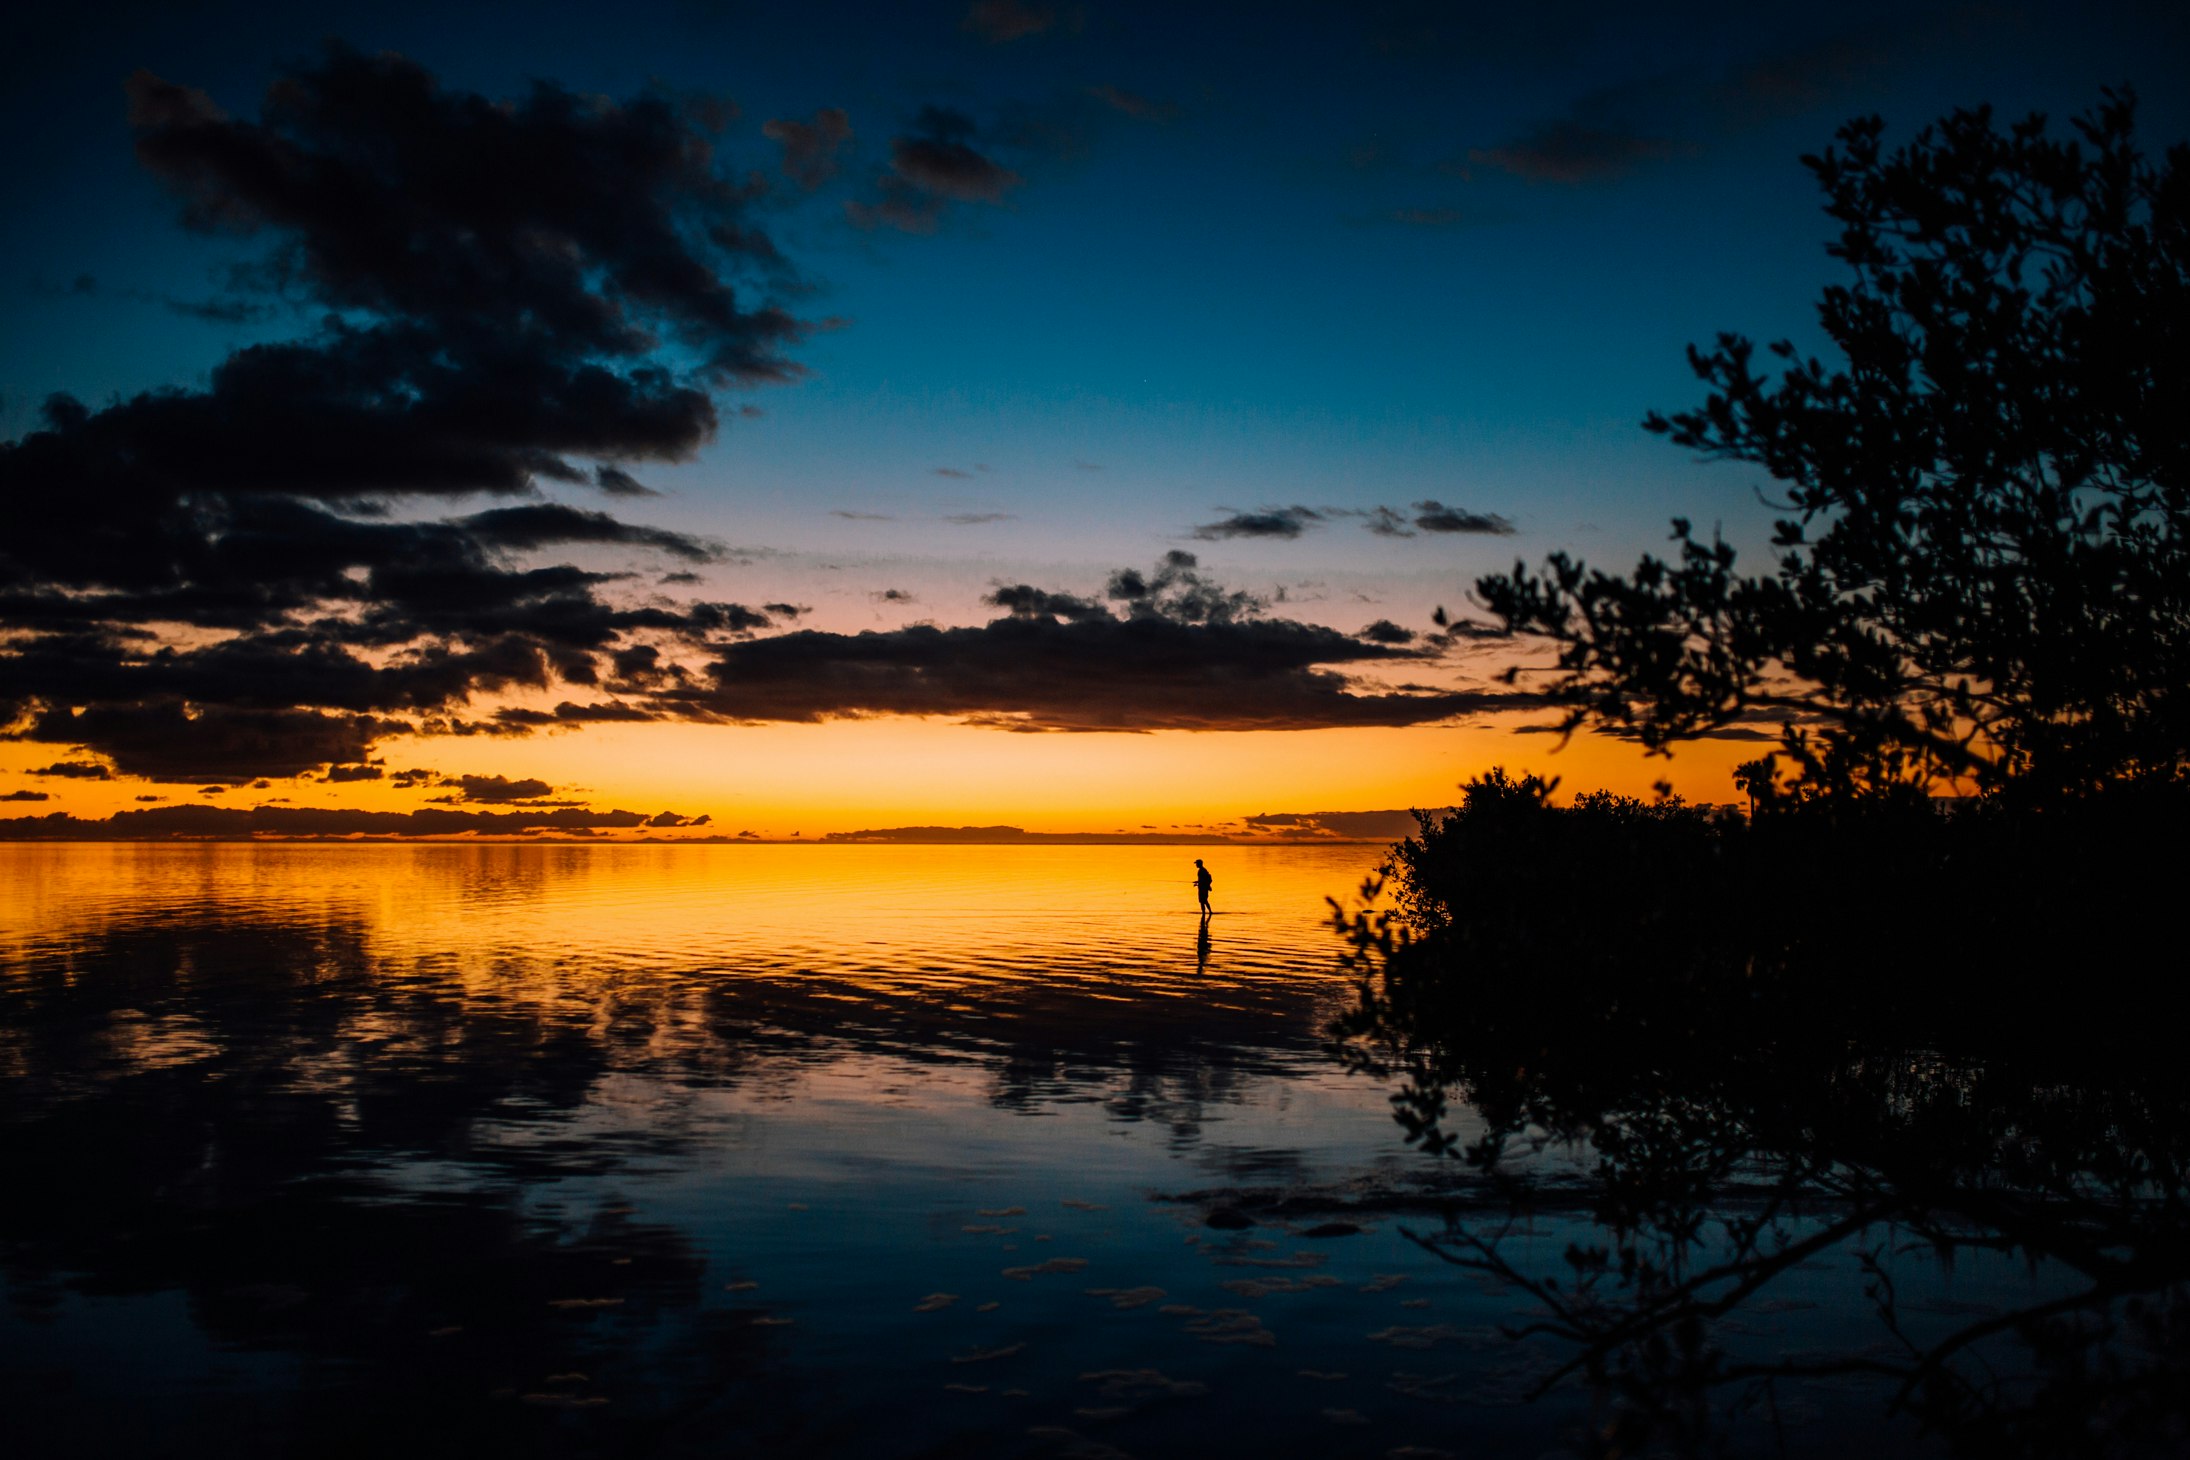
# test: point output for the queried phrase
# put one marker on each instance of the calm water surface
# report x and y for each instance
(668, 1150)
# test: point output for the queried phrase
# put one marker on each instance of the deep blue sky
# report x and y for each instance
(1301, 275)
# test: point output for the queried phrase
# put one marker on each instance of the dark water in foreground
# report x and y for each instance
(657, 1150)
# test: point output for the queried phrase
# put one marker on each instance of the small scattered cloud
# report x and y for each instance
(26, 796)
(1000, 22)
(1570, 153)
(849, 515)
(496, 789)
(231, 310)
(952, 471)
(1336, 825)
(617, 482)
(341, 774)
(1429, 217)
(978, 519)
(1798, 79)
(1133, 104)
(76, 770)
(1283, 522)
(810, 148)
(1434, 516)
(932, 166)
(892, 595)
(1384, 631)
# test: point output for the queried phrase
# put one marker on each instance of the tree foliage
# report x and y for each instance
(1982, 573)
(1864, 1038)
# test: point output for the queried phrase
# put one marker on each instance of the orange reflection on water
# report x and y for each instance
(895, 916)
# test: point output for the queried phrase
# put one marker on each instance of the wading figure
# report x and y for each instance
(1202, 881)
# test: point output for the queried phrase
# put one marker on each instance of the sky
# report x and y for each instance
(705, 420)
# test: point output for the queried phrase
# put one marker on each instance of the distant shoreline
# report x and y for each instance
(1027, 839)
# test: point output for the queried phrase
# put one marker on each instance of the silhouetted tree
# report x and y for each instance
(1983, 576)
(1866, 1037)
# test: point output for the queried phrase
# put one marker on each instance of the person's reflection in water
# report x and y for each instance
(1202, 881)
(1201, 947)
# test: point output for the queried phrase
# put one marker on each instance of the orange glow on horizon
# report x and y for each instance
(850, 775)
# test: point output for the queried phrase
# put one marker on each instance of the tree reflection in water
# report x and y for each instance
(1864, 1087)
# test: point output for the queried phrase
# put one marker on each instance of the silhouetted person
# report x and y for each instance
(1202, 881)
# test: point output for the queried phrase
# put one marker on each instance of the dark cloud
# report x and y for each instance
(1167, 649)
(1386, 522)
(26, 796)
(197, 822)
(851, 516)
(931, 167)
(1428, 217)
(893, 595)
(978, 519)
(547, 524)
(810, 148)
(547, 288)
(1614, 131)
(942, 164)
(210, 311)
(494, 789)
(1023, 600)
(1747, 733)
(569, 713)
(1339, 825)
(1384, 631)
(1133, 104)
(1800, 78)
(76, 770)
(1287, 522)
(593, 224)
(1573, 153)
(172, 741)
(952, 471)
(617, 482)
(1001, 21)
(1434, 516)
(339, 774)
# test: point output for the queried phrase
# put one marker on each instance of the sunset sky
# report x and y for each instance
(822, 418)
